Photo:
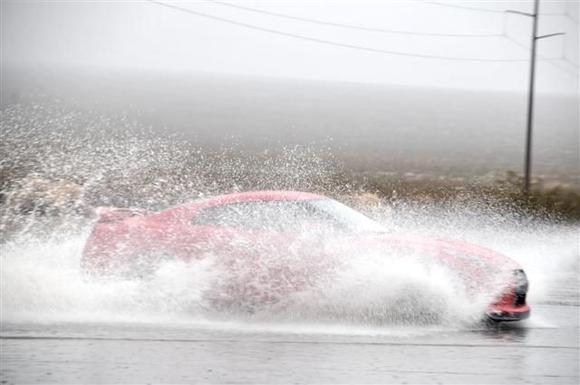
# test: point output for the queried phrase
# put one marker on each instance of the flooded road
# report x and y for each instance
(543, 350)
(433, 159)
(59, 328)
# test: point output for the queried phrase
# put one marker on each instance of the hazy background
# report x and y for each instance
(240, 99)
(232, 75)
(140, 34)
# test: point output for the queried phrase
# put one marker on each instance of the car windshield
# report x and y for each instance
(351, 219)
(284, 216)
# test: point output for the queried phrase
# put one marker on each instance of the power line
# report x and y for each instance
(569, 61)
(551, 61)
(556, 63)
(488, 10)
(390, 31)
(564, 15)
(352, 26)
(568, 14)
(465, 7)
(331, 42)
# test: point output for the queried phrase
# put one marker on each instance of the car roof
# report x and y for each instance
(248, 196)
(239, 197)
(263, 196)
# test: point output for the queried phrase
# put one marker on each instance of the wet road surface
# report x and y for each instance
(542, 350)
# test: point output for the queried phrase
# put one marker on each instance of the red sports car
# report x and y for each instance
(270, 245)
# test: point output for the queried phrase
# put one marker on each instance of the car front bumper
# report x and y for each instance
(508, 314)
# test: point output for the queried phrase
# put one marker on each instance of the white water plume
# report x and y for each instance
(41, 280)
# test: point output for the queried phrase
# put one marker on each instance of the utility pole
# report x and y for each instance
(530, 119)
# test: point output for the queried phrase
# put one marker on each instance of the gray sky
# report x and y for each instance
(142, 35)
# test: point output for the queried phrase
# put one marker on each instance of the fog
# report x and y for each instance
(369, 128)
(348, 41)
(413, 112)
(442, 84)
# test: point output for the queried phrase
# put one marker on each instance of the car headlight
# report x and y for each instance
(520, 281)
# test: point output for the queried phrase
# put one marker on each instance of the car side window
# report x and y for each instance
(218, 216)
(271, 215)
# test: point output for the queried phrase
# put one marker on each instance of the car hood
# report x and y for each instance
(480, 268)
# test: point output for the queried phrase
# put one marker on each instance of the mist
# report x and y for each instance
(143, 143)
(257, 38)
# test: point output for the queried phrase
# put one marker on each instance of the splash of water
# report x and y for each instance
(56, 169)
(42, 282)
